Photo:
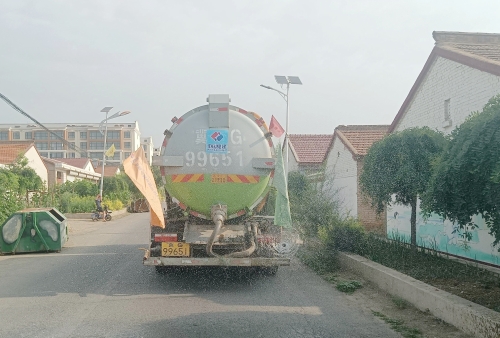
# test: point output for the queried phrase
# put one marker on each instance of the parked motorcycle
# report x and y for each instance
(96, 215)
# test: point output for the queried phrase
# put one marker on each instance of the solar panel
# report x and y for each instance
(294, 80)
(281, 79)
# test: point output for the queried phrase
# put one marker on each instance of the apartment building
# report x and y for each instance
(147, 145)
(82, 140)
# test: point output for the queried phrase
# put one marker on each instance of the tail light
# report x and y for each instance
(165, 237)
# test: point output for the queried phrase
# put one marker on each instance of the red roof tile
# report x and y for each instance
(359, 138)
(310, 148)
(108, 170)
(10, 150)
(76, 162)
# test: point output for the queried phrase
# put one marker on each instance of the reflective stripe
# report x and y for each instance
(184, 178)
(243, 178)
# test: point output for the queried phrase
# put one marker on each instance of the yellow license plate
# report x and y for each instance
(175, 249)
(219, 178)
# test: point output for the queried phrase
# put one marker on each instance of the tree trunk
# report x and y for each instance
(413, 223)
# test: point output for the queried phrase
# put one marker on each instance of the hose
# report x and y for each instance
(218, 219)
(250, 250)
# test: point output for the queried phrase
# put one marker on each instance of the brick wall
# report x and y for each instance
(468, 90)
(366, 214)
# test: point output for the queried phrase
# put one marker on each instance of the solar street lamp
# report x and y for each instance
(105, 123)
(285, 80)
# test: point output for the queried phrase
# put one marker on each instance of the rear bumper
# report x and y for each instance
(214, 261)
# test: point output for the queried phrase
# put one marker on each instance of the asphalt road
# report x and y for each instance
(97, 287)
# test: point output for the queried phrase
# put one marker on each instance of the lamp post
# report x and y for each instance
(282, 80)
(105, 122)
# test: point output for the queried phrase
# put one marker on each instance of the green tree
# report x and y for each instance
(311, 206)
(466, 181)
(16, 180)
(401, 165)
(9, 187)
(117, 187)
(27, 177)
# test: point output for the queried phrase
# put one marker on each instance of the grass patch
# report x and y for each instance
(399, 326)
(349, 286)
(400, 303)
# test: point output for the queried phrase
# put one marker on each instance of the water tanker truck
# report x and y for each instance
(217, 162)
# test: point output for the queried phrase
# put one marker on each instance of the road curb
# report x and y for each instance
(461, 313)
(87, 215)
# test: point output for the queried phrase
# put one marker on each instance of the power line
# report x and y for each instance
(68, 144)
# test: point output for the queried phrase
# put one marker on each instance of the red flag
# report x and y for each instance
(275, 128)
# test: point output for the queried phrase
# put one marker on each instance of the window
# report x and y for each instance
(83, 145)
(113, 135)
(83, 135)
(115, 157)
(44, 154)
(71, 145)
(57, 133)
(447, 110)
(145, 147)
(41, 145)
(96, 145)
(28, 135)
(127, 154)
(71, 155)
(95, 135)
(117, 145)
(56, 155)
(71, 135)
(56, 146)
(96, 155)
(16, 135)
(4, 135)
(126, 145)
(59, 175)
(126, 134)
(41, 135)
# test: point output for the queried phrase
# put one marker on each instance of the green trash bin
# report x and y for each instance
(34, 230)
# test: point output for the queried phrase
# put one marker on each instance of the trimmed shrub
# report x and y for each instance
(345, 234)
(113, 204)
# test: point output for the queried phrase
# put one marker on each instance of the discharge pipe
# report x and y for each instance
(218, 217)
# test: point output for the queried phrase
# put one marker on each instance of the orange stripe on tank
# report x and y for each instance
(243, 178)
(185, 178)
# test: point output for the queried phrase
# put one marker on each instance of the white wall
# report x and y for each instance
(89, 167)
(468, 90)
(342, 166)
(35, 162)
(293, 165)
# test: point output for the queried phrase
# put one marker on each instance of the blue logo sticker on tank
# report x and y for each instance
(217, 140)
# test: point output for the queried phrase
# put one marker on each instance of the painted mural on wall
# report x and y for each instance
(442, 235)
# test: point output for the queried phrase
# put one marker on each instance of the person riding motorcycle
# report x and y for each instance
(98, 204)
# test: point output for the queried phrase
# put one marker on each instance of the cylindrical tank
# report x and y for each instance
(217, 154)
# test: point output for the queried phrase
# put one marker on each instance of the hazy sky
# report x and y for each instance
(62, 61)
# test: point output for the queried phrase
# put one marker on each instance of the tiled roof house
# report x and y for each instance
(307, 152)
(344, 164)
(10, 150)
(109, 170)
(460, 75)
(61, 170)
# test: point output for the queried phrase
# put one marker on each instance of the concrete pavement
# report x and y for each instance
(98, 287)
